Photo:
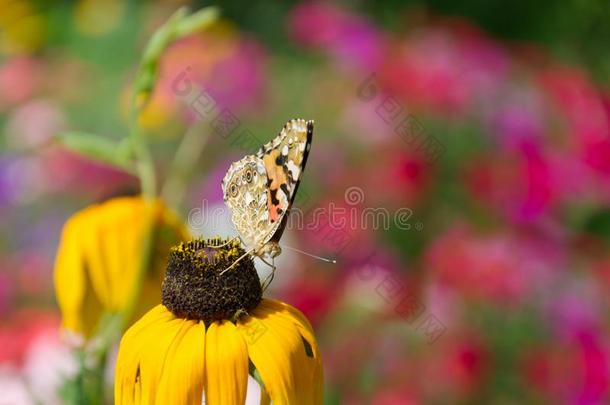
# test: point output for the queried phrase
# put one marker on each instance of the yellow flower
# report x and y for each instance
(212, 331)
(99, 258)
(98, 17)
(22, 26)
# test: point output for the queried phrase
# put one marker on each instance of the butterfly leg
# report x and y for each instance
(238, 314)
(236, 261)
(270, 277)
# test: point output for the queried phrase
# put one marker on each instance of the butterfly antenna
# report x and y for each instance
(324, 259)
(236, 261)
(224, 244)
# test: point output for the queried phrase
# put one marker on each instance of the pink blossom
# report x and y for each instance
(352, 40)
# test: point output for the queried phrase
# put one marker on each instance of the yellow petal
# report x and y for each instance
(292, 314)
(183, 374)
(282, 308)
(120, 244)
(226, 365)
(277, 351)
(99, 256)
(69, 278)
(124, 251)
(142, 355)
(271, 353)
(96, 259)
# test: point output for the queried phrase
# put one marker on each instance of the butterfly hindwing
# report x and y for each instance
(245, 192)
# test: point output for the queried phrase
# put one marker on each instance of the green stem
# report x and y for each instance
(111, 326)
(145, 262)
(186, 157)
(144, 162)
(146, 172)
(92, 360)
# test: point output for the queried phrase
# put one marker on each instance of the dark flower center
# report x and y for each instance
(195, 289)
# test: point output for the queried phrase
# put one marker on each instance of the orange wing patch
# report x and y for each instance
(277, 199)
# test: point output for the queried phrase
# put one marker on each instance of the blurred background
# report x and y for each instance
(459, 173)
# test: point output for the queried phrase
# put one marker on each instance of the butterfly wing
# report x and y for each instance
(260, 189)
(284, 159)
(245, 193)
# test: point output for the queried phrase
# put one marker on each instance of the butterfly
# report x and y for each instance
(259, 189)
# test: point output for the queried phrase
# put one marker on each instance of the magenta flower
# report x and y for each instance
(501, 268)
(20, 79)
(351, 40)
(519, 185)
(446, 71)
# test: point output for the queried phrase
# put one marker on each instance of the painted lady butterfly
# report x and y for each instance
(260, 189)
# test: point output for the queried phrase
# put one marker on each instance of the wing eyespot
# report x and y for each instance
(233, 190)
(248, 176)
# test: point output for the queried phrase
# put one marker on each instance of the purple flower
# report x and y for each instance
(7, 187)
(238, 80)
(518, 120)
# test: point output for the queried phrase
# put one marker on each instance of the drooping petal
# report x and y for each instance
(183, 373)
(277, 351)
(281, 308)
(142, 356)
(99, 257)
(123, 251)
(122, 246)
(127, 385)
(69, 278)
(295, 316)
(96, 256)
(226, 365)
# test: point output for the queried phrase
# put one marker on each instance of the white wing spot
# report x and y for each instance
(248, 197)
(294, 169)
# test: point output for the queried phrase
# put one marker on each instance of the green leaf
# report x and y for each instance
(196, 21)
(598, 224)
(256, 375)
(87, 384)
(179, 25)
(99, 148)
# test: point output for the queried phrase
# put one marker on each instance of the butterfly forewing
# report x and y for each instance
(285, 158)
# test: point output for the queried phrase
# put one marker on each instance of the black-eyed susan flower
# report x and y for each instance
(100, 257)
(211, 331)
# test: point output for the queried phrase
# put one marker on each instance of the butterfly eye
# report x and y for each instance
(233, 190)
(249, 176)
